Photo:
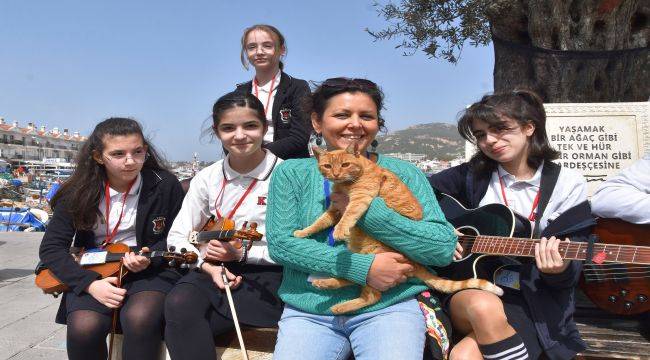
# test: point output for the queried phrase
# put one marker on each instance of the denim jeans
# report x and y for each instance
(396, 332)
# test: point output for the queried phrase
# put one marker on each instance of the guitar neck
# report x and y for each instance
(114, 257)
(498, 245)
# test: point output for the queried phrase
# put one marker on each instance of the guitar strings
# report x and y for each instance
(626, 250)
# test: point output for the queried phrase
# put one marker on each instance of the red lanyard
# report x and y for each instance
(531, 217)
(268, 100)
(107, 195)
(241, 200)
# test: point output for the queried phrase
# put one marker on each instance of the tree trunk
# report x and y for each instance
(573, 50)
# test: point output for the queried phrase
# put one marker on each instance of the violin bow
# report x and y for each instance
(115, 312)
(226, 283)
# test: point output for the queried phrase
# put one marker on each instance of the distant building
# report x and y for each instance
(20, 145)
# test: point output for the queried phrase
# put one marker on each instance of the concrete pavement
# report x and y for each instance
(27, 328)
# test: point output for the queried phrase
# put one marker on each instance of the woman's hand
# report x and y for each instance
(548, 258)
(215, 271)
(387, 270)
(135, 262)
(223, 251)
(339, 201)
(106, 292)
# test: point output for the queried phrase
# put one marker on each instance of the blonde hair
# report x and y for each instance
(279, 44)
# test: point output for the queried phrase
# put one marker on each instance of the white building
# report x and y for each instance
(20, 145)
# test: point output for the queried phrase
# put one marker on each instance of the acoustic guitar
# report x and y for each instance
(616, 278)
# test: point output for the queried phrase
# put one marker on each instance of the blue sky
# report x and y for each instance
(73, 63)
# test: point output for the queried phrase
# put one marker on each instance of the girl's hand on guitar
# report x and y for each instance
(136, 263)
(548, 258)
(106, 292)
(458, 253)
(387, 270)
(223, 251)
(215, 272)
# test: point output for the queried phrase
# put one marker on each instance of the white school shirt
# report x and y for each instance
(126, 231)
(570, 190)
(199, 204)
(625, 196)
(263, 93)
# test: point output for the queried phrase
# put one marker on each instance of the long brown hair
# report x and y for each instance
(523, 106)
(83, 190)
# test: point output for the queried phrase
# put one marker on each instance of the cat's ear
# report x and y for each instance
(357, 153)
(353, 149)
(317, 151)
(350, 148)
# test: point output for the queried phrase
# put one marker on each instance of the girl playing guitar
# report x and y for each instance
(513, 167)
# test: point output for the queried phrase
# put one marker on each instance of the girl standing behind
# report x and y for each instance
(236, 187)
(513, 166)
(264, 47)
(118, 193)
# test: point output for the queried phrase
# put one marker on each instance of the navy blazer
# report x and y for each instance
(161, 197)
(291, 126)
(550, 297)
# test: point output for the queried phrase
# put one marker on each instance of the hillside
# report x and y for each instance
(436, 140)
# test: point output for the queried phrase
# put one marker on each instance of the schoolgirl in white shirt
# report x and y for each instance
(118, 193)
(513, 166)
(236, 187)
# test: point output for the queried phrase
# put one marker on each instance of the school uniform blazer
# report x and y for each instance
(550, 297)
(160, 200)
(291, 126)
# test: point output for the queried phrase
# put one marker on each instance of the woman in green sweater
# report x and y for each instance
(343, 111)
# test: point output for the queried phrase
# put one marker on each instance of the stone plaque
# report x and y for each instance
(600, 139)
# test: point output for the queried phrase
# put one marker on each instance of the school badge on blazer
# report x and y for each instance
(158, 225)
(285, 115)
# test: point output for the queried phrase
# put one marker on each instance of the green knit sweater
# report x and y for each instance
(296, 199)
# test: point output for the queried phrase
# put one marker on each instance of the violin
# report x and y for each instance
(223, 229)
(107, 263)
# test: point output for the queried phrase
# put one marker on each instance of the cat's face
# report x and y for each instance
(340, 165)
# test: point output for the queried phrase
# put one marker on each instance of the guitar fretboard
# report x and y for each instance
(497, 245)
(112, 257)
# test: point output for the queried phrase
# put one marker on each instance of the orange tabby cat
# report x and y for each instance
(363, 180)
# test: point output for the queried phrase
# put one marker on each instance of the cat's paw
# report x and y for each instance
(326, 284)
(340, 309)
(341, 233)
(300, 233)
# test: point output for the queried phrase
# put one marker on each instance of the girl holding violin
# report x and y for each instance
(235, 188)
(513, 166)
(264, 47)
(119, 193)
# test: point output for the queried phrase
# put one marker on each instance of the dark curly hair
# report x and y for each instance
(318, 100)
(522, 105)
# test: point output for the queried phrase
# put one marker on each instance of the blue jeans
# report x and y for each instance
(396, 332)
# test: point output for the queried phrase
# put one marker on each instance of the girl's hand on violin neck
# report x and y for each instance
(224, 251)
(106, 292)
(215, 272)
(135, 262)
(548, 258)
(387, 270)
